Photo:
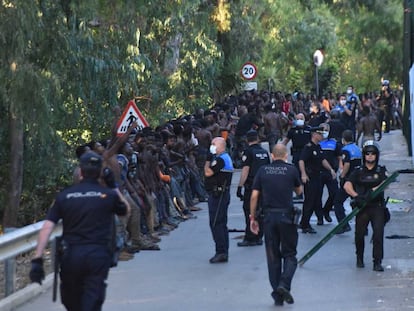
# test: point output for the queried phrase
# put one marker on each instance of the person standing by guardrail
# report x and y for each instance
(87, 210)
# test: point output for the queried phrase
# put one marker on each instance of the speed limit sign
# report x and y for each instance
(249, 71)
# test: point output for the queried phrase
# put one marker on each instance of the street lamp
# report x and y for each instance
(317, 60)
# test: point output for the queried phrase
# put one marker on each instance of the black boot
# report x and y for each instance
(377, 266)
(360, 262)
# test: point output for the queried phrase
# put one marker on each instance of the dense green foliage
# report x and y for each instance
(65, 64)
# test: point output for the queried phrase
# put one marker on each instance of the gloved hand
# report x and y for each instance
(37, 273)
(360, 199)
(239, 193)
(109, 178)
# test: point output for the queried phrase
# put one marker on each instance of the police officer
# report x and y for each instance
(87, 210)
(300, 135)
(218, 171)
(252, 159)
(311, 164)
(359, 186)
(348, 117)
(332, 153)
(351, 158)
(274, 183)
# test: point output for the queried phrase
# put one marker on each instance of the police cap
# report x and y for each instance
(252, 135)
(90, 160)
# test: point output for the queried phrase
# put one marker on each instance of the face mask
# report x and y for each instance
(325, 134)
(213, 149)
(300, 122)
(342, 102)
(349, 91)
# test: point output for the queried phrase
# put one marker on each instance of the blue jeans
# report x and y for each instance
(217, 212)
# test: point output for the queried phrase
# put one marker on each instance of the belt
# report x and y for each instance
(278, 210)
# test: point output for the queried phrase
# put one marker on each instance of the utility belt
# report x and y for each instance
(219, 190)
(287, 215)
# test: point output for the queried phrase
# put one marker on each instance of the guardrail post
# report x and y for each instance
(9, 276)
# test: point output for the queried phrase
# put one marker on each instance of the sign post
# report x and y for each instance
(248, 73)
(317, 60)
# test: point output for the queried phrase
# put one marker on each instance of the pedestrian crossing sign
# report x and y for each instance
(130, 115)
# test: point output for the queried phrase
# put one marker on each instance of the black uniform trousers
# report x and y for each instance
(249, 235)
(281, 240)
(217, 211)
(332, 185)
(339, 200)
(84, 270)
(376, 216)
(313, 200)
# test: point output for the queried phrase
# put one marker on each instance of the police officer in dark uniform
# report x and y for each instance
(311, 164)
(274, 183)
(87, 210)
(349, 114)
(351, 158)
(218, 171)
(359, 186)
(332, 153)
(252, 159)
(300, 135)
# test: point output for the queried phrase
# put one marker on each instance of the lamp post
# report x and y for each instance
(317, 60)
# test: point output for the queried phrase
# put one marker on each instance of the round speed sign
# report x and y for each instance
(249, 71)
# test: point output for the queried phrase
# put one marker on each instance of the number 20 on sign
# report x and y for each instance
(249, 71)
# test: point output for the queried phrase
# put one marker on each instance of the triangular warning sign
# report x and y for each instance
(130, 115)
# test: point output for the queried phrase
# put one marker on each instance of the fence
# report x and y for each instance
(15, 243)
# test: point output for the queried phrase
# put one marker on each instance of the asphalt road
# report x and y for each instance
(179, 277)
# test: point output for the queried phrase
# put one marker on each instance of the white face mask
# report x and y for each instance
(213, 149)
(342, 102)
(300, 122)
(325, 134)
(349, 91)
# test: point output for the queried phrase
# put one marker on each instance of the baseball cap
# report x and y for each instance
(90, 159)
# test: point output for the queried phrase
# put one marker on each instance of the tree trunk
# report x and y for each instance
(16, 171)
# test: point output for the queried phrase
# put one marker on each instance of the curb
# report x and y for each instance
(25, 294)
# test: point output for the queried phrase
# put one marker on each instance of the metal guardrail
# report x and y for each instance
(15, 243)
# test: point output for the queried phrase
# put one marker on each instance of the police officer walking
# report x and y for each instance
(351, 159)
(311, 164)
(275, 183)
(87, 210)
(252, 159)
(300, 135)
(359, 186)
(332, 153)
(218, 171)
